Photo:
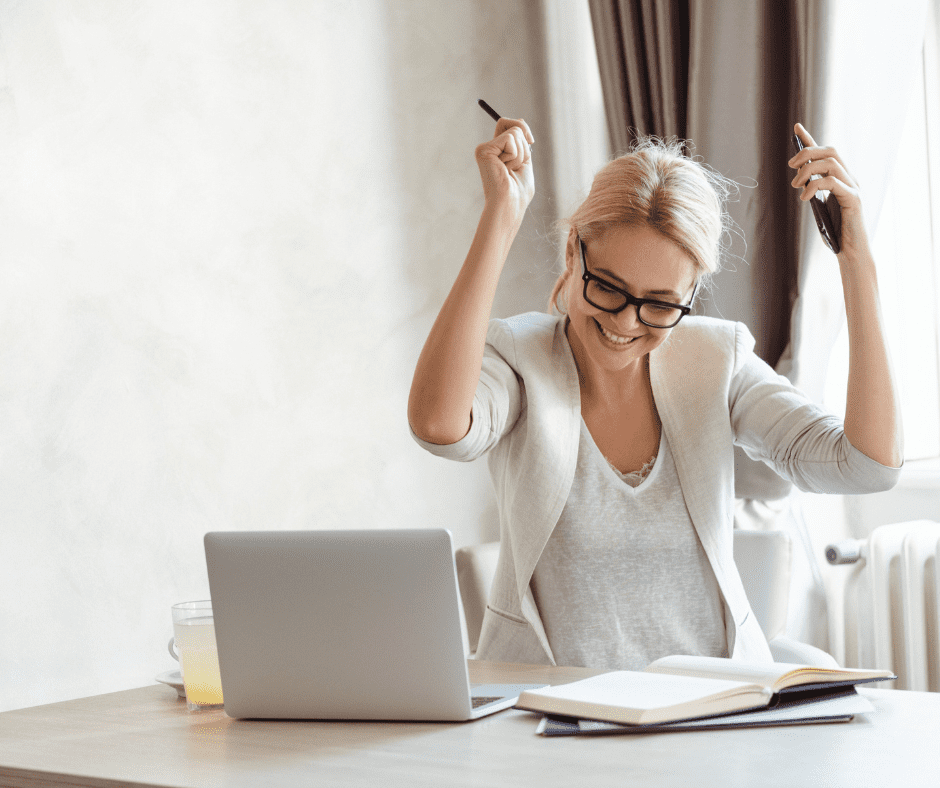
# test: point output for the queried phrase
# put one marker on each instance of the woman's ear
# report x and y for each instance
(572, 251)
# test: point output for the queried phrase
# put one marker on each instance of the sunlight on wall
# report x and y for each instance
(227, 228)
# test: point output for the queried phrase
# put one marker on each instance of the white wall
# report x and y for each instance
(226, 229)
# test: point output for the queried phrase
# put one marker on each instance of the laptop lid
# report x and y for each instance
(358, 624)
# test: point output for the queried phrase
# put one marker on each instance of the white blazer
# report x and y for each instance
(711, 391)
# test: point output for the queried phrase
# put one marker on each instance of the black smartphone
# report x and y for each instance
(826, 209)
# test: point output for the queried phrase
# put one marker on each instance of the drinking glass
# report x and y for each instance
(194, 636)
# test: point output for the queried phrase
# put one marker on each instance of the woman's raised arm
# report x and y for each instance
(872, 411)
(448, 369)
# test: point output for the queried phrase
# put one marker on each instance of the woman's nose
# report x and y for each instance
(628, 319)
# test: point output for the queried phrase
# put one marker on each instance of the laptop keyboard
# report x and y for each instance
(482, 700)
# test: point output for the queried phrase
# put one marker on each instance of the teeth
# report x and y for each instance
(614, 338)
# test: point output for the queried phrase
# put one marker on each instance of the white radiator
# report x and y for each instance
(892, 602)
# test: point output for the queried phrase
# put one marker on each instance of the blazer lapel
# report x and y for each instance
(555, 431)
(699, 431)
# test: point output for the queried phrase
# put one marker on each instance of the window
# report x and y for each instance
(906, 245)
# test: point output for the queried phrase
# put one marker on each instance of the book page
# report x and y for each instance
(640, 690)
(774, 675)
(766, 673)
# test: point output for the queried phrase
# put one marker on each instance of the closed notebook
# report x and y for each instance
(683, 688)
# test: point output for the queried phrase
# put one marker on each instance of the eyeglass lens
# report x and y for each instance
(652, 314)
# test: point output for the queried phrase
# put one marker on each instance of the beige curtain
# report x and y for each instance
(643, 55)
(725, 75)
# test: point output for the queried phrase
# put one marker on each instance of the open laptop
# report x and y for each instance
(362, 625)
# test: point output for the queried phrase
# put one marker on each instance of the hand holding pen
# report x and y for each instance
(505, 164)
(448, 371)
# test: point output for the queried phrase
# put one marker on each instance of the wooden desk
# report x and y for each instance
(146, 737)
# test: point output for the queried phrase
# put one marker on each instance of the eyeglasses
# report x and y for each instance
(608, 297)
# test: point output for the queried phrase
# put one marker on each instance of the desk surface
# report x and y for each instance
(146, 737)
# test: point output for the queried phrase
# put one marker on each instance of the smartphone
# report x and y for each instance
(826, 210)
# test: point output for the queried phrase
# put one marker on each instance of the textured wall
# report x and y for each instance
(225, 229)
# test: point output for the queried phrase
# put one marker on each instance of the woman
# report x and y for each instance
(610, 426)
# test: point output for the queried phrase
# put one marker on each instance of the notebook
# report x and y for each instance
(358, 624)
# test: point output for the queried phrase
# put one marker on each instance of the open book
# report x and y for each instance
(685, 688)
(841, 707)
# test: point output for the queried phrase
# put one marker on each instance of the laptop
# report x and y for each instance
(352, 625)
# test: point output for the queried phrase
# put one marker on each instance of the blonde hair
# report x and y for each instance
(655, 184)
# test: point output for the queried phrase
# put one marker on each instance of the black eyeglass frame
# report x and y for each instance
(587, 276)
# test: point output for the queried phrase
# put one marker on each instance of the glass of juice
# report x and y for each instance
(194, 634)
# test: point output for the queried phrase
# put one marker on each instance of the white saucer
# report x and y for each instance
(174, 679)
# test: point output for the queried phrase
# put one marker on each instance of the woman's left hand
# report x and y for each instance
(872, 410)
(838, 181)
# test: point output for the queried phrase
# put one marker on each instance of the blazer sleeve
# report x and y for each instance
(775, 422)
(497, 402)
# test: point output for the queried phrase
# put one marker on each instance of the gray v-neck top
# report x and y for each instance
(623, 579)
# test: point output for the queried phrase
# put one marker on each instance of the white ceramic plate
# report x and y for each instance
(173, 678)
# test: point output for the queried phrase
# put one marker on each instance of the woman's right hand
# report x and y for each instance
(505, 164)
(440, 405)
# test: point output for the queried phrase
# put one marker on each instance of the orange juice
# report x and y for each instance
(199, 660)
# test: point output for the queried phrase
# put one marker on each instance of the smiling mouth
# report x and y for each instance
(615, 339)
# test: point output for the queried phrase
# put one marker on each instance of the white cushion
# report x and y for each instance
(763, 560)
(476, 568)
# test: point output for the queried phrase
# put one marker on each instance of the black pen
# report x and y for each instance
(488, 109)
(495, 115)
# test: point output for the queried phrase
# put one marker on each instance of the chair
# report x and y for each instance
(763, 560)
